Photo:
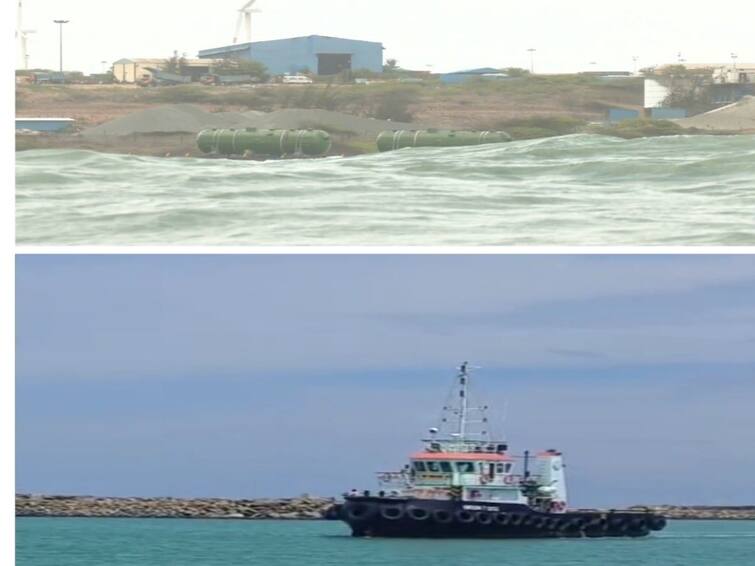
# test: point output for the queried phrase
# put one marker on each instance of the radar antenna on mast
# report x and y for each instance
(245, 20)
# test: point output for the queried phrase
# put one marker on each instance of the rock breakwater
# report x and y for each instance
(301, 508)
(703, 513)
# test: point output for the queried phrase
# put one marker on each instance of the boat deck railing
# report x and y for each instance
(394, 480)
(405, 479)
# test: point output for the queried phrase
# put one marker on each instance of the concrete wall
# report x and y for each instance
(298, 54)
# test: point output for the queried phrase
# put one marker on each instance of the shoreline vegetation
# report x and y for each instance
(531, 107)
(301, 508)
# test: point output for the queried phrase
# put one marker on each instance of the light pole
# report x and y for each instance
(734, 58)
(532, 51)
(635, 59)
(60, 26)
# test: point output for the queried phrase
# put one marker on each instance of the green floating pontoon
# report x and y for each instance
(398, 139)
(270, 143)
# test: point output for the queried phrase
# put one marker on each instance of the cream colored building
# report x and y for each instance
(131, 70)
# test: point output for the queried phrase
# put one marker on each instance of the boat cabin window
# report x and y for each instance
(446, 468)
(419, 466)
(499, 468)
(508, 467)
(433, 467)
(465, 467)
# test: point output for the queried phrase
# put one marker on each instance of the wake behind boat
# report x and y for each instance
(465, 484)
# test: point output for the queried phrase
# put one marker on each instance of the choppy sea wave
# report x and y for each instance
(574, 190)
(166, 542)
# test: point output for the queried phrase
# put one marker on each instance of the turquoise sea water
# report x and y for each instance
(131, 542)
(573, 190)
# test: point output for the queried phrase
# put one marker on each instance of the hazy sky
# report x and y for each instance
(252, 376)
(444, 34)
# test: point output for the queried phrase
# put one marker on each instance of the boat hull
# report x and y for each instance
(418, 518)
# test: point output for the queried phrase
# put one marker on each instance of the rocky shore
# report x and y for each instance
(702, 513)
(300, 508)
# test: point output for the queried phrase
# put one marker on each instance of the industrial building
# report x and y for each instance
(315, 53)
(732, 83)
(727, 84)
(131, 71)
(735, 74)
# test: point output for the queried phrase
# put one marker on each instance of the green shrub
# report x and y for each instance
(641, 128)
(538, 126)
(395, 104)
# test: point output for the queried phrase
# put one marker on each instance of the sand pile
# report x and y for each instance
(175, 118)
(188, 118)
(734, 118)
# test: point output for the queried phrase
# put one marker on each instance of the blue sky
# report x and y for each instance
(247, 376)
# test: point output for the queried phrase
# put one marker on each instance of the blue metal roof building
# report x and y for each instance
(315, 53)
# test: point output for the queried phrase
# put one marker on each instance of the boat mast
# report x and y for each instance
(464, 400)
(463, 422)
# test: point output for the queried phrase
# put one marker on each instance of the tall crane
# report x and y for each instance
(245, 19)
(22, 36)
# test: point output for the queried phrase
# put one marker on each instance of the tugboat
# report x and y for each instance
(465, 484)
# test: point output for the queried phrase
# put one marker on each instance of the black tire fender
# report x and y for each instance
(418, 513)
(360, 511)
(484, 518)
(392, 512)
(443, 517)
(538, 522)
(464, 516)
